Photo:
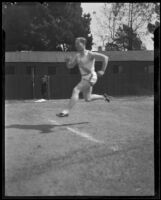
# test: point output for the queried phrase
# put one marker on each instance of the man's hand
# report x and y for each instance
(70, 62)
(68, 59)
(100, 73)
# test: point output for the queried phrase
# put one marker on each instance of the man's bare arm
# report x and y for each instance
(102, 56)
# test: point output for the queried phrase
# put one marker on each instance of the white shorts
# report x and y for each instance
(91, 78)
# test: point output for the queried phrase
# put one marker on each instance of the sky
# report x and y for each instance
(96, 7)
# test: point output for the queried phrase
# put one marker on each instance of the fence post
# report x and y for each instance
(48, 82)
(33, 83)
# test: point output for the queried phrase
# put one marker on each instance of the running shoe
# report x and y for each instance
(62, 115)
(106, 97)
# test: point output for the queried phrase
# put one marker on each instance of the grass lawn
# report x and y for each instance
(100, 149)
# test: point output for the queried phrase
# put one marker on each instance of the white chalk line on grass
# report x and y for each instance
(85, 135)
(82, 134)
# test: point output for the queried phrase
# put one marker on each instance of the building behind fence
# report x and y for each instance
(128, 73)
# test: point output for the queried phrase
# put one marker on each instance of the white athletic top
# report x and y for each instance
(86, 63)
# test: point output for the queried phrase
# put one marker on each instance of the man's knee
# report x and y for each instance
(76, 91)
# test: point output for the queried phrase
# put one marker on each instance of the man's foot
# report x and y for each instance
(40, 100)
(106, 97)
(62, 115)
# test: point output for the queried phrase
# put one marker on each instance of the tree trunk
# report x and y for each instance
(131, 30)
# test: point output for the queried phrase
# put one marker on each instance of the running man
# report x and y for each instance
(86, 62)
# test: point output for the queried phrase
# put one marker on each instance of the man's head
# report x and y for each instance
(80, 43)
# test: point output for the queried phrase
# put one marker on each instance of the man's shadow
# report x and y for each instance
(42, 128)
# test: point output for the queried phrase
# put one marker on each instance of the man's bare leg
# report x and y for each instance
(72, 101)
(88, 96)
(94, 97)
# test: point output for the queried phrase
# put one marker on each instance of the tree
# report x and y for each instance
(134, 15)
(153, 26)
(108, 23)
(16, 22)
(123, 39)
(110, 46)
(45, 27)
